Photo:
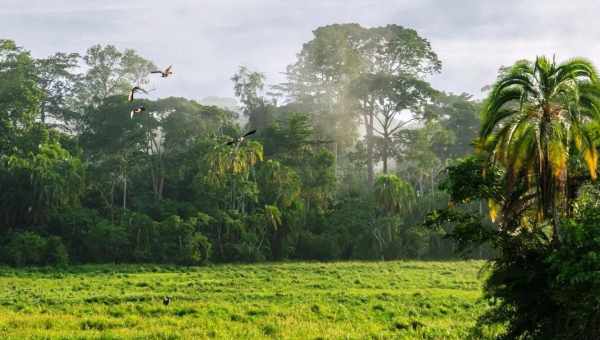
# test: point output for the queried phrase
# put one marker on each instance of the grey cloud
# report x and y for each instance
(208, 40)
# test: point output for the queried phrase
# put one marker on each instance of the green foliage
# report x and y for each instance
(393, 194)
(535, 138)
(26, 249)
(542, 292)
(180, 242)
(469, 180)
(162, 186)
(247, 87)
(19, 90)
(37, 179)
(110, 72)
(56, 252)
(332, 66)
(535, 119)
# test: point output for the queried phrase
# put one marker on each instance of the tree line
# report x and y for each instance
(346, 163)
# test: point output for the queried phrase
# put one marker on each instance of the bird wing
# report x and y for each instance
(231, 142)
(168, 69)
(130, 97)
(131, 114)
(249, 133)
(156, 71)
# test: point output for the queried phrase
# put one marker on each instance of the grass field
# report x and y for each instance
(355, 300)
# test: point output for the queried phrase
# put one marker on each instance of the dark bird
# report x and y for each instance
(166, 300)
(164, 73)
(240, 140)
(137, 109)
(134, 90)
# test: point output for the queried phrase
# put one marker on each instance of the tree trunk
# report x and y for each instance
(547, 185)
(385, 157)
(124, 188)
(161, 188)
(369, 130)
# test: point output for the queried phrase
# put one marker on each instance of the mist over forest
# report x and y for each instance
(351, 166)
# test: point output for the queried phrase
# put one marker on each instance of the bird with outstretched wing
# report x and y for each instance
(241, 139)
(133, 91)
(164, 73)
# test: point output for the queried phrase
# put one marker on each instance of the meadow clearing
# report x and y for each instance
(300, 300)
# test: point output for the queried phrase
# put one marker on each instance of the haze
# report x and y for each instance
(206, 41)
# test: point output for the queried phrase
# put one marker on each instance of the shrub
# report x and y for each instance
(56, 252)
(180, 242)
(317, 247)
(198, 250)
(542, 291)
(574, 283)
(26, 249)
(106, 242)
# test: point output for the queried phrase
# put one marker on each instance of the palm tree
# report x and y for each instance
(535, 119)
(229, 166)
(394, 196)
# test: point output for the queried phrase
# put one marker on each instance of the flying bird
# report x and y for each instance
(134, 90)
(166, 300)
(137, 109)
(164, 73)
(240, 140)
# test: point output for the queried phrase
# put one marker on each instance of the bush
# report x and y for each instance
(56, 252)
(142, 236)
(74, 226)
(575, 281)
(26, 249)
(106, 242)
(543, 291)
(247, 249)
(317, 247)
(180, 242)
(199, 249)
(408, 243)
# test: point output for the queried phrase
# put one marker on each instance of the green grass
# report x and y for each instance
(355, 300)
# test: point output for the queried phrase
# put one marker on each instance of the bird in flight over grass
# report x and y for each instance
(240, 140)
(164, 73)
(166, 300)
(137, 109)
(134, 90)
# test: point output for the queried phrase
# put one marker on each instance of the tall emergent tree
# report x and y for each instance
(57, 78)
(247, 86)
(534, 124)
(330, 78)
(388, 98)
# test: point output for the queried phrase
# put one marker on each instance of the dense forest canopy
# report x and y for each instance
(85, 180)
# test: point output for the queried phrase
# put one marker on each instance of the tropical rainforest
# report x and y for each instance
(354, 157)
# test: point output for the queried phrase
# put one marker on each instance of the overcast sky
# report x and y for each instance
(206, 40)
